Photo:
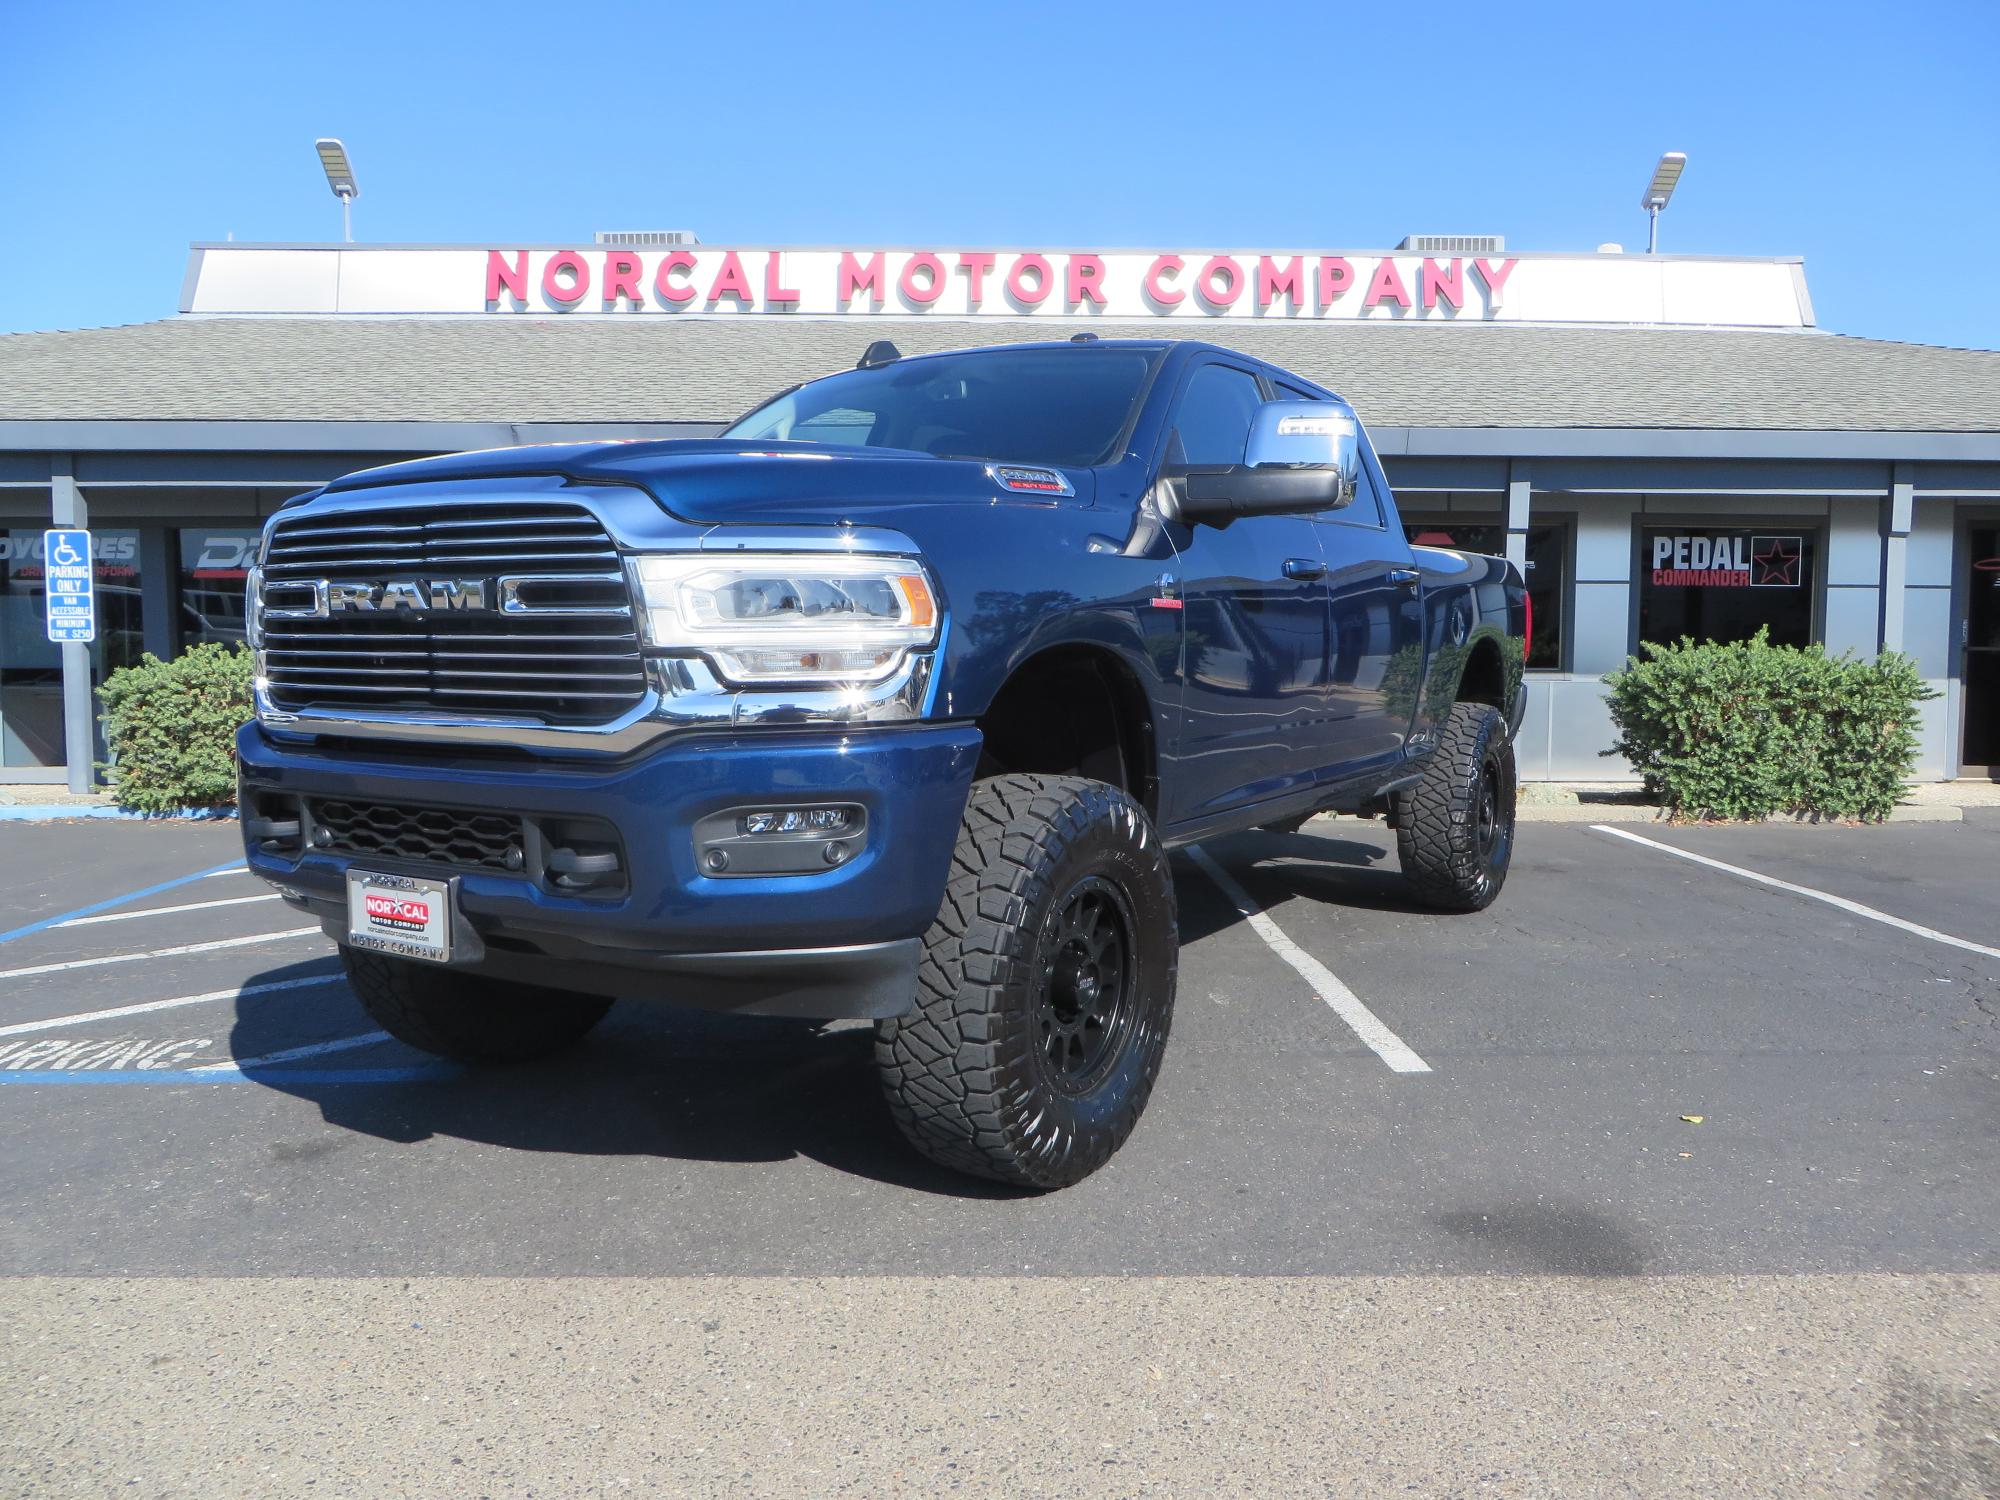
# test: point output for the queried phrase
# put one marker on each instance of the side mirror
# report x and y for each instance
(1302, 456)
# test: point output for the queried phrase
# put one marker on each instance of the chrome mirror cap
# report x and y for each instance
(1307, 435)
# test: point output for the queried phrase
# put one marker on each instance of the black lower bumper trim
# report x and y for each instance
(867, 982)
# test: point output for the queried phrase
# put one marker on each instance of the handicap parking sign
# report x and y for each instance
(70, 582)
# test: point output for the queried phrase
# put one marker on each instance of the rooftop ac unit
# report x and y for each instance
(646, 238)
(1454, 244)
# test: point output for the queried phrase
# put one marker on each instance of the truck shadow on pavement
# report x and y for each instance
(1279, 867)
(652, 1080)
(655, 1080)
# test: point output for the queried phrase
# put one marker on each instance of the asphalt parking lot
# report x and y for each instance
(1635, 1070)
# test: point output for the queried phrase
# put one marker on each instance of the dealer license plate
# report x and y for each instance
(399, 914)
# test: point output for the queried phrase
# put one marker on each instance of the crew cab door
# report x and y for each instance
(1254, 596)
(1377, 625)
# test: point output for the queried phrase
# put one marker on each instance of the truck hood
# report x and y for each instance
(719, 480)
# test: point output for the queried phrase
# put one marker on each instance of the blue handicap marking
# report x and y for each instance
(71, 585)
(429, 1072)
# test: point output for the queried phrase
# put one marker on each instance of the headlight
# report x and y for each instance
(777, 617)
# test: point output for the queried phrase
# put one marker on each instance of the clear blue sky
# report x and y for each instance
(1863, 137)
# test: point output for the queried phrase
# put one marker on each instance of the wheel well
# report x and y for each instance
(1483, 680)
(1074, 711)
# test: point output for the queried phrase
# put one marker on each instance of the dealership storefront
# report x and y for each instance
(1667, 445)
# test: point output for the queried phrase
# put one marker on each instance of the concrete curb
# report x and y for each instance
(1587, 812)
(1633, 812)
(56, 812)
(1641, 812)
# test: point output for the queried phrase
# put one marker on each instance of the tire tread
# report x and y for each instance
(1434, 823)
(944, 1067)
(466, 1017)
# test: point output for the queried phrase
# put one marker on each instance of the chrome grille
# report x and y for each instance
(568, 655)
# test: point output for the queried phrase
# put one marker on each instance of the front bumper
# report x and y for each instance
(839, 942)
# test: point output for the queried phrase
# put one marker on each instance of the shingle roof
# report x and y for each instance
(656, 369)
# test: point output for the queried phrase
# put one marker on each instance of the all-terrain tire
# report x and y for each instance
(1455, 828)
(468, 1017)
(1047, 986)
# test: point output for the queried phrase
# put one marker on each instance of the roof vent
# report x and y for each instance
(1454, 244)
(646, 238)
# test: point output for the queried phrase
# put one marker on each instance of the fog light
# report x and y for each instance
(741, 843)
(798, 820)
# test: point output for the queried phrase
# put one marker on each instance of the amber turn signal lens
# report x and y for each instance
(917, 594)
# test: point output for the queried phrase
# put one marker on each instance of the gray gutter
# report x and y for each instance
(1411, 442)
(324, 437)
(1682, 442)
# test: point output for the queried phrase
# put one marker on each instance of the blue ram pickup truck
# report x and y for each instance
(888, 703)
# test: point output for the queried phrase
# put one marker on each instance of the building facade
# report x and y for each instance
(1666, 445)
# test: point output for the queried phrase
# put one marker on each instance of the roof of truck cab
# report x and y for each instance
(696, 370)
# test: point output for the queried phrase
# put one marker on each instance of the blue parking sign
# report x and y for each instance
(70, 581)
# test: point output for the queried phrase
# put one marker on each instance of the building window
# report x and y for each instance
(1548, 574)
(1721, 585)
(31, 708)
(214, 562)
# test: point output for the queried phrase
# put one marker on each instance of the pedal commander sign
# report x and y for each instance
(1726, 560)
(945, 281)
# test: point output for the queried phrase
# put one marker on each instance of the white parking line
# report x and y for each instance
(293, 1054)
(1803, 890)
(234, 992)
(232, 870)
(132, 958)
(1342, 1001)
(165, 911)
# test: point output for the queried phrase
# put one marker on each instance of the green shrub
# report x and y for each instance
(171, 728)
(1748, 729)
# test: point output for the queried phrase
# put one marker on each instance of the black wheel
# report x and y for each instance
(1047, 987)
(468, 1016)
(1455, 828)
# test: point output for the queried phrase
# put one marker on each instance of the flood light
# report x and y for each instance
(339, 170)
(1665, 175)
(1658, 191)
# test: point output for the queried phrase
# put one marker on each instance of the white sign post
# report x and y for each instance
(70, 595)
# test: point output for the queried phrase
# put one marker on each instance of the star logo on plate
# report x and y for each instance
(1775, 561)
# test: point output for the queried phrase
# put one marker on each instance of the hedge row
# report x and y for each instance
(1748, 729)
(170, 727)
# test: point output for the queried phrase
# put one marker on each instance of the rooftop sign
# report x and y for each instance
(1125, 285)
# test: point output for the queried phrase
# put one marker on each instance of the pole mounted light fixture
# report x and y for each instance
(1658, 191)
(339, 177)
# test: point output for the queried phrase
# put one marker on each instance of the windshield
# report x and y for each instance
(1049, 406)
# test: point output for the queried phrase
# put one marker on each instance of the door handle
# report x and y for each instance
(1404, 578)
(1304, 568)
